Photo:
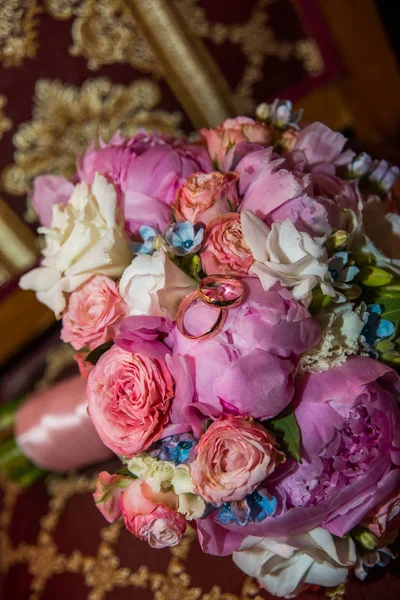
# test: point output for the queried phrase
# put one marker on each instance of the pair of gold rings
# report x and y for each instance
(218, 291)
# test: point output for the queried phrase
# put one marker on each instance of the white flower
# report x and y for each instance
(153, 285)
(84, 238)
(341, 328)
(288, 256)
(192, 506)
(157, 473)
(285, 566)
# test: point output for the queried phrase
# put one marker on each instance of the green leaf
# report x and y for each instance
(125, 473)
(391, 308)
(95, 354)
(287, 432)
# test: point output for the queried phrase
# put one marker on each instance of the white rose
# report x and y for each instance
(84, 239)
(288, 256)
(285, 566)
(153, 285)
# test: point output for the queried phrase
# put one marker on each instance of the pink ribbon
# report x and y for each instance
(55, 431)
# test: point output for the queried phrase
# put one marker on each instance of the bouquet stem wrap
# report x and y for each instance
(54, 429)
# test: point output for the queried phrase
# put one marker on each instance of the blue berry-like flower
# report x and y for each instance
(184, 238)
(176, 448)
(375, 328)
(341, 271)
(151, 239)
(256, 507)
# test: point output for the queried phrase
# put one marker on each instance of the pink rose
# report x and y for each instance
(107, 495)
(205, 197)
(232, 132)
(93, 314)
(232, 458)
(47, 191)
(225, 250)
(129, 399)
(385, 517)
(151, 516)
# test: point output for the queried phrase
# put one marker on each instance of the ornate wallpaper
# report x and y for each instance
(71, 70)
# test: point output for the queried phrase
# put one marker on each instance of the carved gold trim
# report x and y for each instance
(187, 67)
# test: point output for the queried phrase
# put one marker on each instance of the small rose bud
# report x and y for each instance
(374, 276)
(263, 112)
(365, 538)
(339, 239)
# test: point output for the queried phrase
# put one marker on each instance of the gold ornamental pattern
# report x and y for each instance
(5, 122)
(66, 119)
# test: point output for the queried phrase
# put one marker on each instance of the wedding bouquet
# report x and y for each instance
(234, 303)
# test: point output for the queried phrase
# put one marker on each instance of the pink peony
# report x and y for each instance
(153, 180)
(232, 458)
(322, 147)
(47, 191)
(225, 250)
(107, 495)
(151, 516)
(350, 432)
(93, 314)
(232, 132)
(248, 368)
(384, 517)
(129, 399)
(205, 197)
(266, 183)
(147, 170)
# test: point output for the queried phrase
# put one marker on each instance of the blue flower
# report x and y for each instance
(256, 507)
(184, 238)
(375, 328)
(279, 113)
(176, 448)
(359, 166)
(150, 236)
(341, 272)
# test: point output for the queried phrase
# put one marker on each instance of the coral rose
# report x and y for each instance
(204, 197)
(225, 250)
(129, 398)
(232, 458)
(93, 314)
(107, 495)
(231, 132)
(152, 516)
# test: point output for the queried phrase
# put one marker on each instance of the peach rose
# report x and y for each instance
(233, 456)
(84, 367)
(129, 397)
(232, 132)
(107, 495)
(385, 517)
(206, 196)
(152, 516)
(93, 314)
(225, 250)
